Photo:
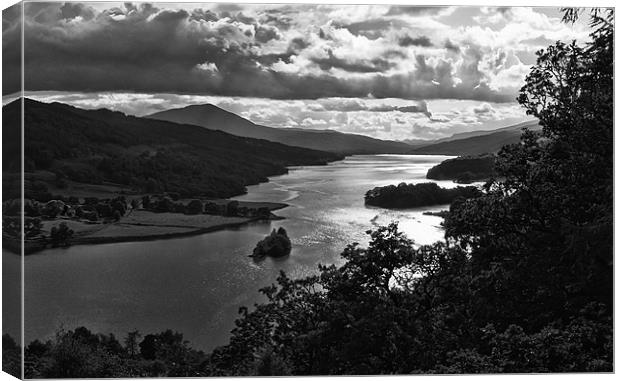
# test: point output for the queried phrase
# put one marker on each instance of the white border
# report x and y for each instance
(538, 3)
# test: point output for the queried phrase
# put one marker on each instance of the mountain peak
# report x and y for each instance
(215, 118)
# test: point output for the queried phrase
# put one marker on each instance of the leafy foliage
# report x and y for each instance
(83, 354)
(11, 356)
(61, 235)
(464, 169)
(415, 195)
(276, 244)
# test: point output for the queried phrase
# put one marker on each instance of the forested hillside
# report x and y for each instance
(146, 154)
(474, 145)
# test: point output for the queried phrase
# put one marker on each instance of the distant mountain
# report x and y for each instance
(95, 146)
(214, 118)
(531, 124)
(476, 142)
(419, 142)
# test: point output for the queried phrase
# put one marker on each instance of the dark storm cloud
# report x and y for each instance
(73, 10)
(413, 10)
(217, 51)
(11, 57)
(349, 105)
(277, 18)
(392, 54)
(298, 44)
(451, 46)
(203, 15)
(295, 46)
(366, 66)
(266, 33)
(373, 28)
(227, 7)
(418, 41)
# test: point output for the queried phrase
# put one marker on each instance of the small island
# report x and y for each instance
(416, 195)
(277, 244)
(464, 169)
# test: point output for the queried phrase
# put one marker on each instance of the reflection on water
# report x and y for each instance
(196, 284)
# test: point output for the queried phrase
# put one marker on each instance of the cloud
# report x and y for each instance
(413, 10)
(381, 118)
(374, 105)
(418, 41)
(538, 41)
(483, 108)
(451, 46)
(374, 28)
(73, 10)
(358, 66)
(11, 55)
(274, 51)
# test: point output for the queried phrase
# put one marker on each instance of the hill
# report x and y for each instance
(96, 146)
(464, 169)
(214, 118)
(477, 144)
(531, 124)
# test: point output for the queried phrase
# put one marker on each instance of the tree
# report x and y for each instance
(131, 343)
(231, 208)
(146, 201)
(61, 235)
(11, 356)
(543, 236)
(116, 215)
(82, 354)
(195, 207)
(32, 227)
(212, 208)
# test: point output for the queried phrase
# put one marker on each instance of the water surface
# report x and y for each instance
(195, 285)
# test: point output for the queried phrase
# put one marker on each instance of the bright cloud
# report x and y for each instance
(392, 72)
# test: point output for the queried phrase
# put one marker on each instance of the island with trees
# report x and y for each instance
(404, 195)
(277, 244)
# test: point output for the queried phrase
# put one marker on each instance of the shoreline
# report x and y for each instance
(35, 246)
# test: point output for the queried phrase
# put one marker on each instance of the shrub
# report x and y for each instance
(194, 207)
(61, 235)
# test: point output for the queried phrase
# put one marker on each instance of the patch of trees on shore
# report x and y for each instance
(168, 203)
(415, 195)
(89, 210)
(464, 169)
(93, 210)
(80, 353)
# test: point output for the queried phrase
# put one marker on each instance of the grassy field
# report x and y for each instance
(141, 225)
(200, 221)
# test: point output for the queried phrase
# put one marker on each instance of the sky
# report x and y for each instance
(390, 72)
